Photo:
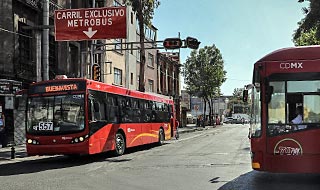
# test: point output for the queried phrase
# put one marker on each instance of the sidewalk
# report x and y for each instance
(19, 151)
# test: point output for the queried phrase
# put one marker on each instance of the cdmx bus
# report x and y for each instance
(81, 116)
(283, 81)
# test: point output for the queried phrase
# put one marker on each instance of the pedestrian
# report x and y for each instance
(202, 121)
(217, 120)
(3, 136)
(198, 121)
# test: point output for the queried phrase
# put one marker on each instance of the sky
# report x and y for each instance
(243, 30)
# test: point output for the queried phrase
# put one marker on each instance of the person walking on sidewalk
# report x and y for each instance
(3, 136)
(198, 121)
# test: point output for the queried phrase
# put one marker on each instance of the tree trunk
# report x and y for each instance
(210, 112)
(204, 109)
(142, 50)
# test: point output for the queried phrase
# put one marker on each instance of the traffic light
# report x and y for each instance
(245, 96)
(192, 43)
(172, 43)
(96, 72)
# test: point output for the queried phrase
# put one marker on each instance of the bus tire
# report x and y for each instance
(161, 137)
(120, 144)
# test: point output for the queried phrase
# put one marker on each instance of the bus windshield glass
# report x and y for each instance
(55, 114)
(293, 106)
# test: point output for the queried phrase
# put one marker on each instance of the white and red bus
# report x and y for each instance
(80, 116)
(283, 81)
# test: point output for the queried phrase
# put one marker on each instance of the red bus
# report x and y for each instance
(283, 81)
(80, 116)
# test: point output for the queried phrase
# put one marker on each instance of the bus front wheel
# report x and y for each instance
(120, 144)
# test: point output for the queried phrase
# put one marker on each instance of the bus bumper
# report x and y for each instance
(56, 149)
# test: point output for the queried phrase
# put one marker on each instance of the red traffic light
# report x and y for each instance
(192, 43)
(172, 43)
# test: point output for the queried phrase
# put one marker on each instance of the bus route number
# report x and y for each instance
(45, 126)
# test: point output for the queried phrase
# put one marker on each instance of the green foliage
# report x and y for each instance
(204, 72)
(308, 32)
(148, 7)
(307, 38)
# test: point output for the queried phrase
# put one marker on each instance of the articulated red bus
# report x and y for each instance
(283, 81)
(80, 116)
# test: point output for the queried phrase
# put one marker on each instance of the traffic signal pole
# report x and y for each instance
(45, 41)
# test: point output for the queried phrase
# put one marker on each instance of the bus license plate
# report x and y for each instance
(45, 126)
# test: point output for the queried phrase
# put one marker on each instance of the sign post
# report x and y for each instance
(90, 24)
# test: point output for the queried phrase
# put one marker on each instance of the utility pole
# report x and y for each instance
(45, 40)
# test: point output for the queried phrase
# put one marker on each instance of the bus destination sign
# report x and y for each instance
(57, 87)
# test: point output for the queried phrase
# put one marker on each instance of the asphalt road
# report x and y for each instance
(216, 158)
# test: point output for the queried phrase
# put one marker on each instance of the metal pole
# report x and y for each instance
(92, 48)
(45, 40)
(38, 55)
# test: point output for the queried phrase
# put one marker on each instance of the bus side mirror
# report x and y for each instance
(245, 96)
(269, 92)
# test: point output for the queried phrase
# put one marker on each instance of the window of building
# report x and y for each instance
(24, 43)
(118, 45)
(137, 82)
(131, 18)
(150, 86)
(116, 3)
(25, 48)
(117, 76)
(149, 33)
(138, 54)
(131, 79)
(150, 60)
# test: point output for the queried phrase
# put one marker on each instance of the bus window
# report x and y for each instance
(255, 127)
(311, 111)
(276, 106)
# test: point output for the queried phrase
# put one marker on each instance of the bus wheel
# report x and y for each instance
(161, 137)
(120, 144)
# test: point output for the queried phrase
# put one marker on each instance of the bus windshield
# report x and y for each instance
(55, 114)
(286, 98)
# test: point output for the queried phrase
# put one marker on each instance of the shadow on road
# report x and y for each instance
(255, 180)
(58, 162)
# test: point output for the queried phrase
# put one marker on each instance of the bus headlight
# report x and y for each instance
(79, 139)
(32, 141)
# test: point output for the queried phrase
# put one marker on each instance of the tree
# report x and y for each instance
(308, 32)
(204, 74)
(145, 12)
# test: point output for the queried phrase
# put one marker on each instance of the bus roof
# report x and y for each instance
(95, 85)
(293, 53)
